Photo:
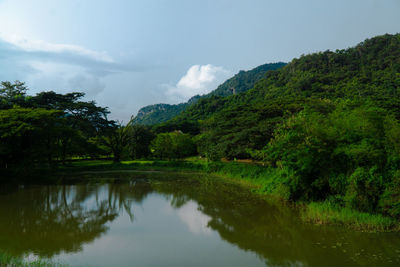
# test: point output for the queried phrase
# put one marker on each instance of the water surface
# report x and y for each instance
(173, 220)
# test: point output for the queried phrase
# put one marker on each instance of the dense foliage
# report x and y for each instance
(158, 113)
(173, 145)
(326, 124)
(348, 152)
(47, 127)
(140, 138)
(369, 71)
(244, 80)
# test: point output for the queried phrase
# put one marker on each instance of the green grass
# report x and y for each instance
(329, 213)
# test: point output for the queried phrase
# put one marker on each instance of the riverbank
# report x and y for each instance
(259, 179)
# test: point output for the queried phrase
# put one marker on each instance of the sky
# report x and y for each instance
(126, 54)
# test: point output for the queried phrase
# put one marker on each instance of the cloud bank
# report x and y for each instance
(42, 46)
(43, 65)
(198, 80)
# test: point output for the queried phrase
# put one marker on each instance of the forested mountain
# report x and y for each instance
(241, 82)
(246, 121)
(158, 113)
(326, 125)
(244, 80)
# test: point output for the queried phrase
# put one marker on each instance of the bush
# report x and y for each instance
(363, 190)
(349, 152)
(390, 200)
(173, 145)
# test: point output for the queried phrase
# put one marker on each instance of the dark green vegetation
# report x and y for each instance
(158, 113)
(48, 127)
(173, 145)
(367, 72)
(244, 80)
(325, 129)
(326, 125)
(241, 82)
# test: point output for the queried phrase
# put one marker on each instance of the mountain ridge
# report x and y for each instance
(240, 82)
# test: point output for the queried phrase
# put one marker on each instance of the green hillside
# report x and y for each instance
(234, 124)
(326, 126)
(241, 82)
(158, 113)
(244, 80)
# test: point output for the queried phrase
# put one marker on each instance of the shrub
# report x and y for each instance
(363, 190)
(390, 200)
(173, 145)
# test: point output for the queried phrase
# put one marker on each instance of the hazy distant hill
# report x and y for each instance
(241, 82)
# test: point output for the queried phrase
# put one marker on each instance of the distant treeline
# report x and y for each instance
(48, 129)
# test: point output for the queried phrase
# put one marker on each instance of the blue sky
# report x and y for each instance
(126, 54)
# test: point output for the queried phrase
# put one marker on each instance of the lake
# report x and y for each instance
(170, 219)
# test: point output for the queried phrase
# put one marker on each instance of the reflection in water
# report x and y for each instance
(49, 219)
(196, 221)
(53, 219)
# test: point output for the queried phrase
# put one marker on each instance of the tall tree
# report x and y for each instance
(116, 138)
(12, 94)
(140, 137)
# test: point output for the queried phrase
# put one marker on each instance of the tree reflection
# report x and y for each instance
(48, 220)
(271, 230)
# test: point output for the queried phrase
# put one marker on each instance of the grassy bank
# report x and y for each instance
(261, 180)
(265, 182)
(330, 213)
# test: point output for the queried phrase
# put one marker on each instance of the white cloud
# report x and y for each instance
(42, 46)
(198, 80)
(63, 78)
(60, 67)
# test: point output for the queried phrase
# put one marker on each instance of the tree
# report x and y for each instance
(140, 137)
(116, 138)
(341, 153)
(173, 145)
(83, 121)
(12, 94)
(65, 123)
(29, 135)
